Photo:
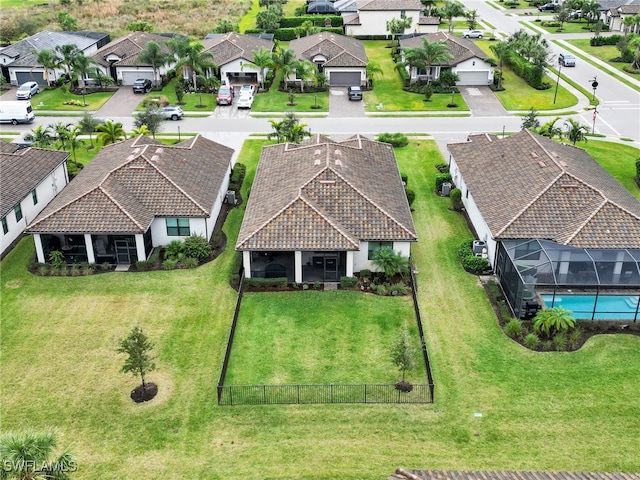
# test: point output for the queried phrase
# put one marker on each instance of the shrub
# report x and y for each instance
(170, 264)
(144, 265)
(380, 289)
(197, 247)
(553, 320)
(638, 168)
(574, 337)
(189, 262)
(365, 273)
(560, 341)
(348, 282)
(266, 282)
(475, 265)
(400, 288)
(531, 341)
(442, 167)
(411, 195)
(599, 41)
(513, 328)
(405, 178)
(395, 139)
(442, 178)
(456, 198)
(237, 176)
(466, 250)
(174, 250)
(43, 269)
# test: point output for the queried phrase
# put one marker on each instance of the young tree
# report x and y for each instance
(154, 55)
(110, 132)
(152, 117)
(82, 66)
(390, 262)
(284, 61)
(397, 26)
(373, 69)
(562, 15)
(262, 60)
(62, 133)
(88, 125)
(448, 79)
(138, 348)
(472, 19)
(74, 142)
(530, 120)
(30, 455)
(305, 71)
(451, 10)
(502, 51)
(403, 353)
(574, 131)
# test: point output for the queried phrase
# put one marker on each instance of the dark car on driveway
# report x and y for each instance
(551, 7)
(354, 93)
(142, 85)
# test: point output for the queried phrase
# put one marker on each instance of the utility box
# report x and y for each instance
(230, 197)
(478, 247)
(446, 189)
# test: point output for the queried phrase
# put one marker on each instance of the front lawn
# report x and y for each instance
(276, 101)
(55, 98)
(604, 53)
(617, 159)
(574, 26)
(192, 101)
(387, 94)
(281, 339)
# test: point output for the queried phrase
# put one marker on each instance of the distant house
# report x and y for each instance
(469, 62)
(343, 59)
(319, 210)
(616, 16)
(372, 16)
(233, 55)
(30, 178)
(547, 215)
(134, 196)
(18, 61)
(119, 58)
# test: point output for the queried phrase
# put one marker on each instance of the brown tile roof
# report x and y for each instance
(351, 19)
(461, 48)
(390, 5)
(129, 183)
(127, 48)
(424, 20)
(546, 190)
(8, 147)
(232, 46)
(629, 9)
(402, 474)
(325, 195)
(340, 50)
(22, 171)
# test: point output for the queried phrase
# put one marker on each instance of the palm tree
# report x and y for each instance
(390, 262)
(450, 10)
(74, 142)
(110, 132)
(262, 59)
(284, 61)
(431, 53)
(88, 125)
(195, 60)
(40, 136)
(153, 55)
(67, 55)
(49, 60)
(502, 51)
(62, 133)
(142, 130)
(305, 70)
(373, 69)
(635, 44)
(574, 131)
(550, 129)
(289, 129)
(320, 79)
(28, 455)
(82, 65)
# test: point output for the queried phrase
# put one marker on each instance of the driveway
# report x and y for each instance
(121, 104)
(482, 101)
(341, 106)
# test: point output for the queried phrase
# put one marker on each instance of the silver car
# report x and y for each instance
(172, 113)
(473, 34)
(27, 90)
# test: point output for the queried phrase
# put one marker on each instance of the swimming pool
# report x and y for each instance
(608, 307)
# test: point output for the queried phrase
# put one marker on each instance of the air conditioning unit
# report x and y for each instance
(446, 189)
(478, 247)
(230, 197)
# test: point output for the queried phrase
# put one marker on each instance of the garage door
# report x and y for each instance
(35, 76)
(473, 78)
(128, 77)
(344, 79)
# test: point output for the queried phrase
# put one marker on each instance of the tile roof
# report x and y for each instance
(339, 50)
(325, 195)
(22, 51)
(390, 5)
(128, 47)
(461, 49)
(351, 19)
(129, 183)
(546, 190)
(233, 46)
(402, 474)
(22, 171)
(629, 9)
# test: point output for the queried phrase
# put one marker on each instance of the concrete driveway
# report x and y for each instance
(482, 101)
(121, 104)
(341, 106)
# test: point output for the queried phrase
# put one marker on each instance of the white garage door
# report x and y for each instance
(473, 78)
(35, 76)
(344, 79)
(128, 77)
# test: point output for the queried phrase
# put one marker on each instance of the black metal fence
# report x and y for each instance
(423, 342)
(313, 394)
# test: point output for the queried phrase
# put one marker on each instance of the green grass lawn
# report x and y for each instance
(387, 88)
(576, 26)
(276, 101)
(604, 53)
(619, 160)
(281, 339)
(54, 99)
(248, 20)
(192, 101)
(540, 411)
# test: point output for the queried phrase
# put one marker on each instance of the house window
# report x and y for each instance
(403, 13)
(18, 211)
(375, 246)
(5, 227)
(34, 196)
(178, 227)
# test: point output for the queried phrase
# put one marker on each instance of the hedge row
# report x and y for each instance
(527, 71)
(610, 40)
(318, 21)
(288, 34)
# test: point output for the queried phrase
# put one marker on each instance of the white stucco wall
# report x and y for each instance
(197, 226)
(236, 67)
(475, 65)
(48, 188)
(360, 260)
(375, 22)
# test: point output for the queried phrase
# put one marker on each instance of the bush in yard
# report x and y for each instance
(456, 199)
(513, 328)
(638, 168)
(465, 249)
(475, 265)
(531, 341)
(174, 250)
(266, 282)
(575, 336)
(411, 195)
(553, 320)
(348, 282)
(442, 178)
(170, 264)
(442, 167)
(399, 288)
(560, 341)
(395, 139)
(405, 178)
(197, 247)
(189, 262)
(237, 176)
(390, 262)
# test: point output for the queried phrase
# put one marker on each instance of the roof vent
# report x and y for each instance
(317, 152)
(155, 158)
(534, 154)
(542, 164)
(317, 161)
(563, 163)
(554, 154)
(338, 152)
(338, 162)
(159, 150)
(136, 167)
(130, 157)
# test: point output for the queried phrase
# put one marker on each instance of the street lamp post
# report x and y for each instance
(557, 81)
(595, 115)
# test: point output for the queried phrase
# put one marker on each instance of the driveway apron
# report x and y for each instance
(482, 101)
(121, 104)
(340, 105)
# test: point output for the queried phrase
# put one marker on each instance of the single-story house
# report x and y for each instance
(372, 16)
(30, 179)
(343, 59)
(19, 64)
(119, 58)
(616, 16)
(320, 209)
(133, 196)
(233, 54)
(469, 62)
(547, 215)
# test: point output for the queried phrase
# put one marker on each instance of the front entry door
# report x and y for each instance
(122, 252)
(331, 269)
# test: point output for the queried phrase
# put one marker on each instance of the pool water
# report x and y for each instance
(609, 307)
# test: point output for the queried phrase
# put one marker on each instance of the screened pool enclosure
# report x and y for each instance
(529, 269)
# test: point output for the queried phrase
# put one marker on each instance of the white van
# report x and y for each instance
(16, 112)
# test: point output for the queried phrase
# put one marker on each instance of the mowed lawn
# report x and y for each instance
(551, 411)
(313, 337)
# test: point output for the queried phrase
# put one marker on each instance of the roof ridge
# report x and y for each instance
(120, 207)
(537, 141)
(588, 219)
(331, 222)
(60, 208)
(266, 222)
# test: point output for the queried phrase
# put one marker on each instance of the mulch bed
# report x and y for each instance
(140, 394)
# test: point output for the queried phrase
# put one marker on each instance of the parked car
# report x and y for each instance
(567, 60)
(27, 90)
(354, 93)
(172, 113)
(547, 7)
(473, 34)
(250, 88)
(245, 101)
(142, 85)
(103, 120)
(225, 95)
